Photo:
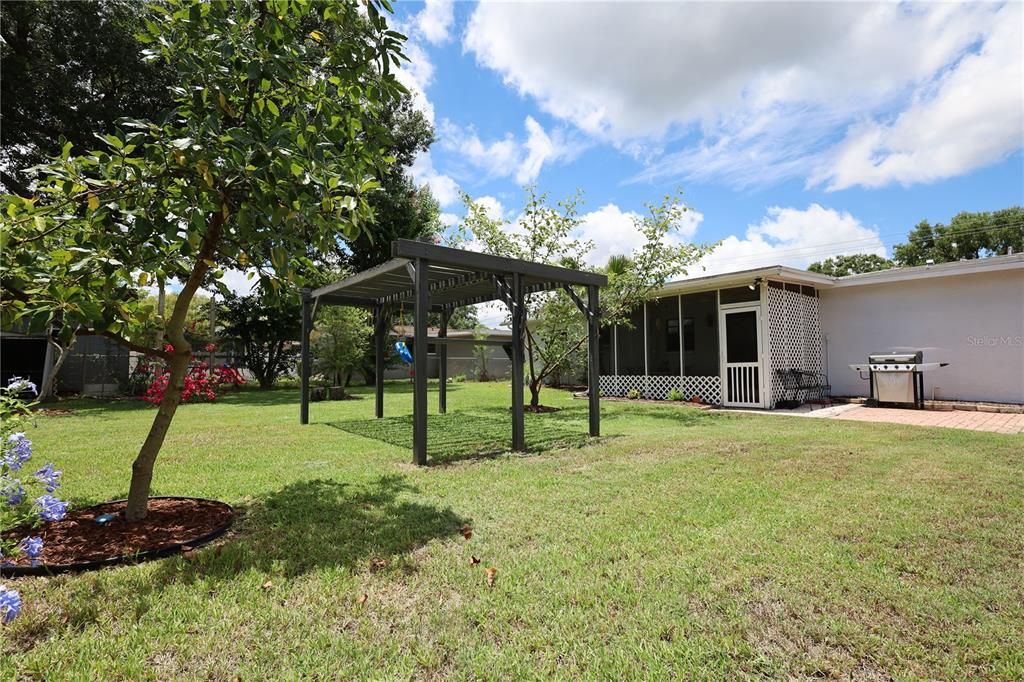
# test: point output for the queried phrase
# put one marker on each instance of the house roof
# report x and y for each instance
(743, 277)
(956, 268)
(797, 276)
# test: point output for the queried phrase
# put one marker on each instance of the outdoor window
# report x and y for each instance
(672, 336)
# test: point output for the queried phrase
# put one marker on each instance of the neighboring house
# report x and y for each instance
(96, 365)
(740, 331)
(462, 358)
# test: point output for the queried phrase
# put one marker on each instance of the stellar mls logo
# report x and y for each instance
(993, 341)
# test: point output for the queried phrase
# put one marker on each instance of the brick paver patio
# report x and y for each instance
(956, 419)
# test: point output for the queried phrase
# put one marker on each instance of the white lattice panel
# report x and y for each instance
(658, 387)
(794, 336)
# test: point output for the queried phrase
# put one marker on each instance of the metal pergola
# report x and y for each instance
(431, 278)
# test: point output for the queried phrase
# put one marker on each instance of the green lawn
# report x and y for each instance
(684, 544)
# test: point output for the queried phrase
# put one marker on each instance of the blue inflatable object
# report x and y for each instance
(403, 352)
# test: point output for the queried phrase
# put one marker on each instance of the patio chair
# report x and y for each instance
(800, 386)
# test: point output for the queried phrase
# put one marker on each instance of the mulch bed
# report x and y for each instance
(77, 542)
(539, 409)
(52, 412)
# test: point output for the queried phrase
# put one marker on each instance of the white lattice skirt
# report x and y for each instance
(658, 387)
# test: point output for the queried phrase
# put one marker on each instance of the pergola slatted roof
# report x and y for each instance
(455, 278)
(431, 278)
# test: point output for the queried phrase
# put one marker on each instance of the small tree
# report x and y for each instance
(548, 234)
(339, 342)
(480, 353)
(269, 156)
(263, 327)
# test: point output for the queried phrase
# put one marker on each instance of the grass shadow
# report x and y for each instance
(323, 523)
(460, 436)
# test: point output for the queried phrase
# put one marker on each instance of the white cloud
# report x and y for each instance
(434, 20)
(491, 206)
(761, 91)
(508, 156)
(973, 118)
(614, 232)
(492, 314)
(444, 189)
(794, 237)
(417, 75)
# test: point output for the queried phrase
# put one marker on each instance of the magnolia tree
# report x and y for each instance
(267, 157)
(547, 233)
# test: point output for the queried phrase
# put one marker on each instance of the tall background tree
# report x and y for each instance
(263, 328)
(70, 69)
(967, 236)
(852, 264)
(273, 148)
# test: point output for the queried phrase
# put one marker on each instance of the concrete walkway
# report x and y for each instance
(997, 422)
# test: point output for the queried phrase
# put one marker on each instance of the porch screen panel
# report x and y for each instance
(631, 344)
(700, 334)
(605, 345)
(663, 329)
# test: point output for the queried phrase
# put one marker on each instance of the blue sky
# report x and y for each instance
(795, 131)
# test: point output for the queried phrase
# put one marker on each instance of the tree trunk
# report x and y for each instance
(142, 467)
(535, 393)
(47, 389)
(174, 329)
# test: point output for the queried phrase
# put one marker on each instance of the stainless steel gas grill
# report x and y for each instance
(897, 378)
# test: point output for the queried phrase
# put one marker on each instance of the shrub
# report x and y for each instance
(25, 500)
(634, 394)
(675, 394)
(202, 383)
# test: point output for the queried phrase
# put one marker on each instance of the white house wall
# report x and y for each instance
(975, 322)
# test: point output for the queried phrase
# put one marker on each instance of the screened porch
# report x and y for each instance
(727, 345)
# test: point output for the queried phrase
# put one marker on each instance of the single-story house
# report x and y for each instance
(464, 353)
(731, 338)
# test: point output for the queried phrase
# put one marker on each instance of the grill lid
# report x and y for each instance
(914, 357)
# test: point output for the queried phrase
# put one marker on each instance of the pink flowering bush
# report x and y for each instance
(203, 383)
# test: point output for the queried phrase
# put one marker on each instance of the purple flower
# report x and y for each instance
(10, 604)
(32, 547)
(18, 451)
(50, 508)
(49, 477)
(18, 385)
(12, 490)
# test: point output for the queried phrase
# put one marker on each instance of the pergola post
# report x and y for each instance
(593, 358)
(421, 293)
(304, 368)
(442, 369)
(518, 319)
(380, 325)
